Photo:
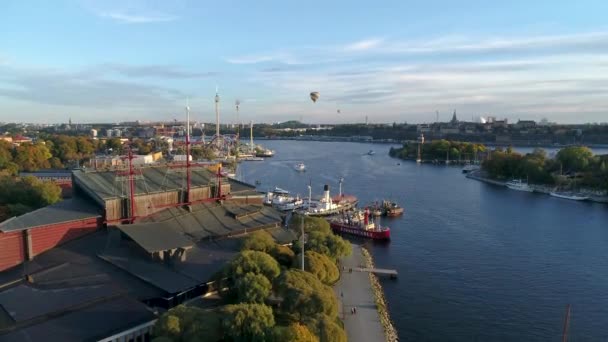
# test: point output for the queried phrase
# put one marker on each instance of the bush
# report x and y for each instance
(320, 266)
(253, 288)
(248, 322)
(258, 241)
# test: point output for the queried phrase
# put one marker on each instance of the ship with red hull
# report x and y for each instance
(358, 223)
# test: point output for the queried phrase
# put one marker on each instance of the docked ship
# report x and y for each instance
(327, 205)
(358, 223)
(569, 196)
(391, 209)
(517, 184)
(283, 200)
(264, 153)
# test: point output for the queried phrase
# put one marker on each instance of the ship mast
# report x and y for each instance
(187, 152)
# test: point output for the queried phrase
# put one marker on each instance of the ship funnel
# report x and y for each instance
(326, 194)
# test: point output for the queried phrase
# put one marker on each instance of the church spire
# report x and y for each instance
(454, 119)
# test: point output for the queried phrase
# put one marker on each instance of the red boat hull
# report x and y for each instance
(370, 234)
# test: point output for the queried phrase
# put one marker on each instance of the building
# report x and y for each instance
(93, 133)
(100, 265)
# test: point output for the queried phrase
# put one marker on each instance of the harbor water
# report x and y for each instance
(476, 262)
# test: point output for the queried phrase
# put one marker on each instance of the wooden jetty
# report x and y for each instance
(382, 271)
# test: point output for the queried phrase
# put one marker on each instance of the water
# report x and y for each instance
(476, 262)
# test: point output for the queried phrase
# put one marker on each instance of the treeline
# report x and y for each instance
(439, 150)
(21, 195)
(572, 166)
(268, 297)
(62, 151)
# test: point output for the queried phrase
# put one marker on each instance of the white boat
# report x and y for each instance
(469, 168)
(569, 195)
(290, 204)
(300, 167)
(371, 153)
(517, 184)
(278, 190)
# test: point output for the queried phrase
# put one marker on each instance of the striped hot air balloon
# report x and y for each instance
(314, 96)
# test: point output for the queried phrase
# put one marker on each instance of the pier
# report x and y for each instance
(380, 271)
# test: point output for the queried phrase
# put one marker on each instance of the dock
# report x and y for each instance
(381, 271)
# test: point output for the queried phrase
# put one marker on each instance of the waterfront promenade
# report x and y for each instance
(355, 290)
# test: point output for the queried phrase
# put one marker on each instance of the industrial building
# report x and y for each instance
(128, 244)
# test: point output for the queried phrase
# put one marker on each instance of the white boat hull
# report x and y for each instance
(569, 197)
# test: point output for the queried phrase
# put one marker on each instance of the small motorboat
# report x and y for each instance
(300, 167)
(371, 153)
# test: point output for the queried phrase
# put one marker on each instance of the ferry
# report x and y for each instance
(517, 184)
(569, 195)
(300, 167)
(358, 223)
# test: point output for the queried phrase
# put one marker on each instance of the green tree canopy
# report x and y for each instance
(320, 266)
(326, 328)
(186, 323)
(255, 262)
(253, 288)
(258, 241)
(294, 332)
(26, 194)
(248, 322)
(304, 295)
(329, 244)
(283, 255)
(575, 158)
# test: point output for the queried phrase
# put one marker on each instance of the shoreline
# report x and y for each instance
(387, 324)
(537, 188)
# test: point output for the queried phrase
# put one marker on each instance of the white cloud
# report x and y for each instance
(364, 45)
(137, 18)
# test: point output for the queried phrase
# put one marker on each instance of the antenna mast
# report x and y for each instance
(217, 115)
(187, 151)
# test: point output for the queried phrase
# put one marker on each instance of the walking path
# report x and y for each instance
(355, 290)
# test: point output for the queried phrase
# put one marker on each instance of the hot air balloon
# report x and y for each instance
(314, 96)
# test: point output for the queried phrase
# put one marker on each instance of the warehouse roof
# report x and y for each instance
(150, 179)
(111, 184)
(85, 321)
(73, 209)
(212, 220)
(155, 237)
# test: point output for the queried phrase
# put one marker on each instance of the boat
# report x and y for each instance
(519, 185)
(278, 190)
(324, 206)
(371, 153)
(569, 195)
(265, 153)
(290, 204)
(469, 168)
(391, 209)
(358, 223)
(300, 167)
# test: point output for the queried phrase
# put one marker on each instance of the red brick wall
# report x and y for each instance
(12, 251)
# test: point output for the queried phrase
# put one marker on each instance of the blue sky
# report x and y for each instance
(391, 61)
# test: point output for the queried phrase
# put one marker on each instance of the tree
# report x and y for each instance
(320, 266)
(575, 158)
(327, 328)
(311, 224)
(25, 194)
(253, 288)
(329, 244)
(258, 241)
(283, 255)
(32, 157)
(186, 323)
(304, 295)
(255, 262)
(294, 332)
(248, 322)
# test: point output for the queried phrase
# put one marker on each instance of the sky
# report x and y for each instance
(392, 61)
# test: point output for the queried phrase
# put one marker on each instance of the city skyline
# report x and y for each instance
(401, 62)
